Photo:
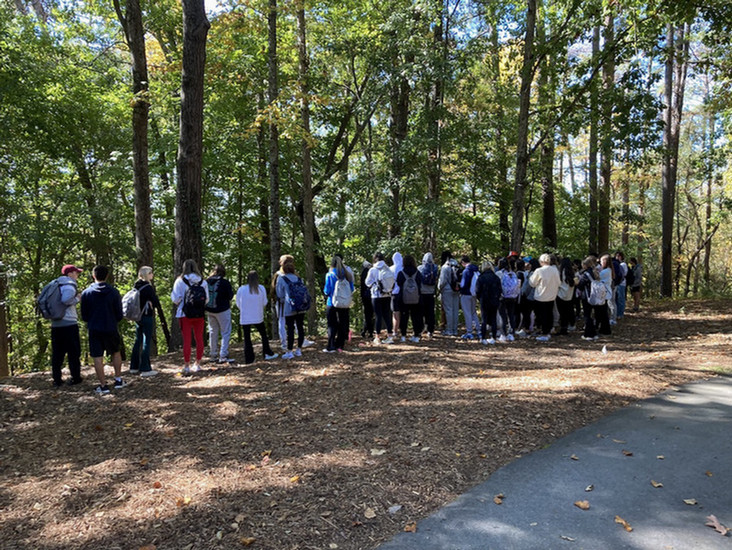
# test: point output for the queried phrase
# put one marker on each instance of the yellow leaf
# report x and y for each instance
(247, 541)
(410, 527)
(624, 523)
(582, 504)
(183, 501)
(294, 479)
(656, 484)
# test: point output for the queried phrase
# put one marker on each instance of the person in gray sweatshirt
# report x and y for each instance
(65, 339)
(430, 274)
(447, 285)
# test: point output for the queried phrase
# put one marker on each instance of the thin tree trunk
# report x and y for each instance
(546, 162)
(4, 335)
(708, 202)
(592, 160)
(522, 148)
(606, 153)
(398, 128)
(307, 177)
(131, 22)
(275, 233)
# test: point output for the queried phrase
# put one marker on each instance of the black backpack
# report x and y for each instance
(194, 300)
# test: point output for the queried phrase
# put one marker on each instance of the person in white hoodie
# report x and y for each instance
(381, 284)
(251, 299)
(189, 277)
(545, 282)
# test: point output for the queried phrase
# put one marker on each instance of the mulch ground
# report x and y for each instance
(323, 452)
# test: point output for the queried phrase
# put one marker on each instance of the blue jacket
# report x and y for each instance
(101, 307)
(329, 288)
(469, 272)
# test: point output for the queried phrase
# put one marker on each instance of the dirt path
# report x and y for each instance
(330, 451)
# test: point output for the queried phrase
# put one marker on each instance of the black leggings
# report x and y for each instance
(382, 309)
(249, 348)
(290, 322)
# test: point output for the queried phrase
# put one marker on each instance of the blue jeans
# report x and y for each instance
(140, 357)
(620, 295)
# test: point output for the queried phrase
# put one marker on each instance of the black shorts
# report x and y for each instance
(396, 302)
(99, 342)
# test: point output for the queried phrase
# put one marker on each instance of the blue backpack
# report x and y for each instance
(429, 275)
(297, 295)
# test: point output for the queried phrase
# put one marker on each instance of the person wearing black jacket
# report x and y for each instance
(101, 309)
(218, 309)
(149, 302)
(488, 290)
(368, 306)
(410, 299)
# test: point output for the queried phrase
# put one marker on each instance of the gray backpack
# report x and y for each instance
(410, 290)
(49, 304)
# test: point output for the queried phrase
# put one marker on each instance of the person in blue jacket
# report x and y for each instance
(337, 312)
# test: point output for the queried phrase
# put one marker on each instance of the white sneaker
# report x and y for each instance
(389, 340)
(377, 341)
(404, 339)
(510, 338)
(571, 328)
(306, 344)
(288, 355)
(196, 368)
(148, 373)
(491, 342)
(502, 338)
(298, 352)
(521, 333)
(134, 371)
(414, 339)
(484, 342)
(270, 357)
(329, 351)
(544, 338)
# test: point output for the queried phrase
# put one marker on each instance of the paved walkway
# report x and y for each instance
(681, 439)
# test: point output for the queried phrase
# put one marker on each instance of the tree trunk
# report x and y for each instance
(606, 153)
(675, 82)
(275, 234)
(307, 177)
(708, 200)
(188, 223)
(4, 335)
(522, 148)
(131, 22)
(545, 101)
(592, 160)
(398, 128)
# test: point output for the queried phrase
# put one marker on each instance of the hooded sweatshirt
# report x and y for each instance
(179, 291)
(396, 269)
(372, 280)
(469, 272)
(101, 307)
(428, 265)
(69, 297)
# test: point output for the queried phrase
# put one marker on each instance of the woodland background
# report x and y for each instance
(145, 132)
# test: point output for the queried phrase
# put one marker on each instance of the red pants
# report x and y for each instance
(186, 325)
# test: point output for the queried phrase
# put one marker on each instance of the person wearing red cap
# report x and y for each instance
(65, 339)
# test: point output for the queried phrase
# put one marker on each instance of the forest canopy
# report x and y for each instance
(351, 126)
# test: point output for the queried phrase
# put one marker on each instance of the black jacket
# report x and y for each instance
(147, 296)
(224, 294)
(488, 289)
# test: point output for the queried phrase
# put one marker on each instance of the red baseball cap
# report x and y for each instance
(70, 268)
(513, 253)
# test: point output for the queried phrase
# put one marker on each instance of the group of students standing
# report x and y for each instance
(501, 301)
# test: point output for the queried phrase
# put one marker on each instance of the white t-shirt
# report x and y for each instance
(251, 306)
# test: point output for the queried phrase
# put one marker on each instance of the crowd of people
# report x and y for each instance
(501, 301)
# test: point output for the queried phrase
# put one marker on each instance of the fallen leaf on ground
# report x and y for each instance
(565, 537)
(247, 541)
(295, 479)
(183, 501)
(157, 485)
(148, 547)
(624, 523)
(690, 501)
(378, 452)
(708, 473)
(618, 441)
(574, 457)
(582, 504)
(498, 499)
(660, 457)
(410, 527)
(627, 453)
(589, 488)
(656, 484)
(712, 521)
(369, 513)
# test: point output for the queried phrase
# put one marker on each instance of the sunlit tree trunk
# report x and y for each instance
(606, 152)
(592, 159)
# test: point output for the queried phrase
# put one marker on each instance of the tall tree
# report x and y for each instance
(307, 175)
(188, 227)
(677, 50)
(134, 31)
(606, 143)
(592, 155)
(274, 141)
(522, 147)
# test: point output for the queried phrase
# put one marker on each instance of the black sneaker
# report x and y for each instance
(57, 385)
(74, 381)
(119, 383)
(102, 390)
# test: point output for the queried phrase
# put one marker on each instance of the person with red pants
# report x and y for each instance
(186, 291)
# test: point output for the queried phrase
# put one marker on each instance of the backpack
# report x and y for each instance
(194, 300)
(385, 280)
(131, 308)
(510, 285)
(49, 304)
(454, 278)
(410, 290)
(429, 274)
(297, 295)
(342, 293)
(598, 293)
(213, 290)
